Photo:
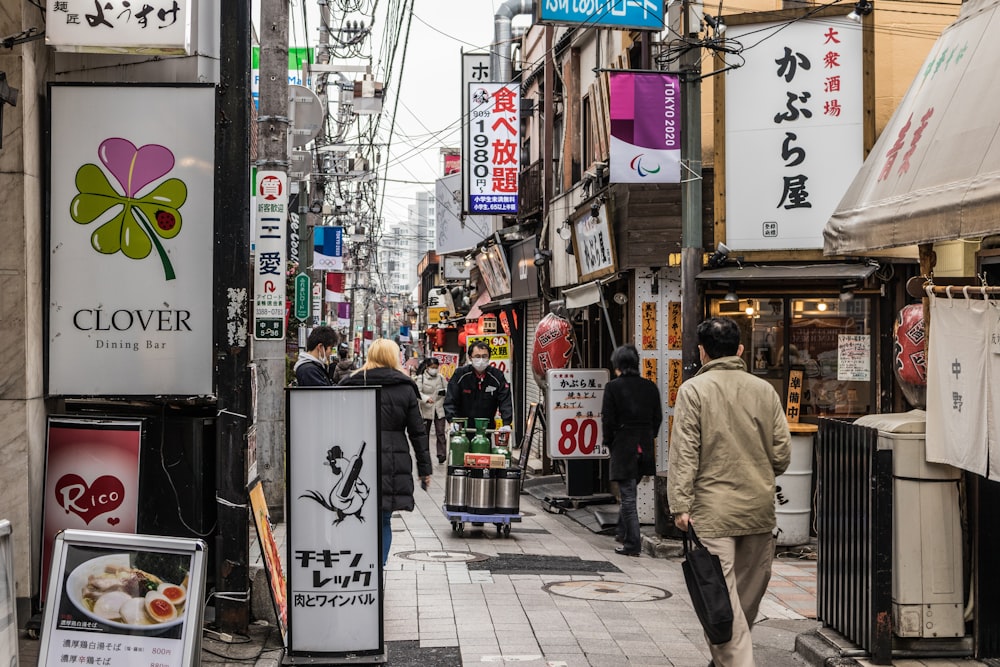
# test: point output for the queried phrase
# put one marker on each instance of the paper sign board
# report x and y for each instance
(574, 402)
(334, 562)
(272, 557)
(91, 619)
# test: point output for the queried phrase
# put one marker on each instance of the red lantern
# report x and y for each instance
(553, 346)
(909, 355)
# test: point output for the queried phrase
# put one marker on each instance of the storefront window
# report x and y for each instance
(828, 340)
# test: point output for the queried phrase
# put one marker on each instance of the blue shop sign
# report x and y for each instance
(638, 14)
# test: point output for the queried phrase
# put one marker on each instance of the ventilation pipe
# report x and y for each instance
(502, 35)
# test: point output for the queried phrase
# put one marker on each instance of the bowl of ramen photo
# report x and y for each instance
(112, 590)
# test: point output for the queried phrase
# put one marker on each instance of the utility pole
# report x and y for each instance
(231, 295)
(269, 355)
(691, 206)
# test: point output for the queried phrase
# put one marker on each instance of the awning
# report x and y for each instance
(934, 173)
(786, 272)
(475, 310)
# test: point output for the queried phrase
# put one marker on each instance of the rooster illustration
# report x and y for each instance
(349, 492)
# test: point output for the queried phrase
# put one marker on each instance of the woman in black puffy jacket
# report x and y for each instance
(402, 427)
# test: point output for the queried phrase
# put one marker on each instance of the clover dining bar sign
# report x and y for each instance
(120, 26)
(131, 233)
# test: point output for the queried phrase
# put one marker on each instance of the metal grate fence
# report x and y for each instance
(854, 536)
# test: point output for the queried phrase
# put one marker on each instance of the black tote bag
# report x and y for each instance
(707, 585)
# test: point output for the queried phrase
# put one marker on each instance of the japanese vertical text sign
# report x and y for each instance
(269, 265)
(123, 601)
(794, 131)
(493, 159)
(574, 402)
(131, 237)
(334, 561)
(638, 14)
(645, 128)
(160, 27)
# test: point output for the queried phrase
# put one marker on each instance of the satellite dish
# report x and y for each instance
(307, 114)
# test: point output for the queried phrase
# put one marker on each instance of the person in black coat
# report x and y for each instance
(402, 427)
(630, 415)
(478, 390)
(311, 366)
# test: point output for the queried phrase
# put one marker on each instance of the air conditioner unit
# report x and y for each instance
(927, 578)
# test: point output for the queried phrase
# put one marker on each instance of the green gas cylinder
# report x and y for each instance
(458, 444)
(480, 444)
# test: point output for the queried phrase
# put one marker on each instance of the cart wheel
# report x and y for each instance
(454, 526)
(461, 528)
(499, 529)
(31, 633)
(506, 530)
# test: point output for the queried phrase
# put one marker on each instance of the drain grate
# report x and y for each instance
(409, 654)
(539, 531)
(541, 564)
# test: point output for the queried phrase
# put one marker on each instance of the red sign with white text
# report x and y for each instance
(91, 479)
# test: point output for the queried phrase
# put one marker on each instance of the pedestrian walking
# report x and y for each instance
(311, 366)
(729, 441)
(432, 387)
(631, 415)
(344, 364)
(402, 428)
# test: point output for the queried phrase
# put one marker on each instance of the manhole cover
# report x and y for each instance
(541, 564)
(608, 591)
(443, 556)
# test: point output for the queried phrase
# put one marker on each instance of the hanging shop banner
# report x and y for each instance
(269, 260)
(573, 403)
(500, 352)
(123, 601)
(455, 232)
(794, 131)
(476, 68)
(272, 557)
(638, 14)
(492, 161)
(343, 315)
(328, 248)
(161, 27)
(334, 562)
(645, 112)
(594, 245)
(131, 209)
(8, 598)
(336, 289)
(91, 479)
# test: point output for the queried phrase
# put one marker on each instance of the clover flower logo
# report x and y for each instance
(138, 222)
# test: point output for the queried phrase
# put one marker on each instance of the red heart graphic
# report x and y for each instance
(104, 495)
(114, 521)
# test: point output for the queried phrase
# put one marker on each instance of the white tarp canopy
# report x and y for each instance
(934, 173)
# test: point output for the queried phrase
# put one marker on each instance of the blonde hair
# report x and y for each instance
(383, 353)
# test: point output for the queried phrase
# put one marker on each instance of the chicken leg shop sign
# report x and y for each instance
(130, 240)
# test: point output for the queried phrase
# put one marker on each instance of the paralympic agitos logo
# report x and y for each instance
(643, 169)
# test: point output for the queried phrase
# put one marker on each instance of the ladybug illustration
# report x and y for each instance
(165, 220)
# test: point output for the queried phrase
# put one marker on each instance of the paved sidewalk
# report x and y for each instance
(589, 607)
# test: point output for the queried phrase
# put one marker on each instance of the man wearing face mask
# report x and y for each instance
(478, 389)
(311, 366)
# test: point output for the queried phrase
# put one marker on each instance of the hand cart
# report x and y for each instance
(501, 521)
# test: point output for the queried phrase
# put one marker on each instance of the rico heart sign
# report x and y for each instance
(88, 502)
(91, 478)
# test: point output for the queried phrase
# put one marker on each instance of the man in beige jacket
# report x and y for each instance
(729, 441)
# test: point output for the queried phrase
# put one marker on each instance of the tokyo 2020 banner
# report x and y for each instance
(645, 128)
